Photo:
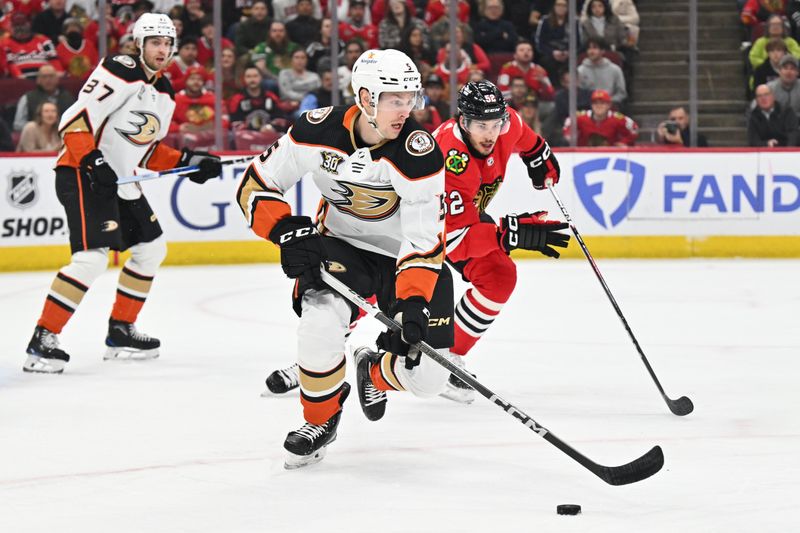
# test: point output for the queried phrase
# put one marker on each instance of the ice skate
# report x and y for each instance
(307, 445)
(457, 390)
(373, 401)
(125, 343)
(283, 381)
(44, 355)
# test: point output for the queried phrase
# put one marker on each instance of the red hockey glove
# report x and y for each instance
(542, 165)
(532, 231)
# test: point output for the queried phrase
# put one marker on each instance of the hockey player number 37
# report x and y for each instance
(90, 86)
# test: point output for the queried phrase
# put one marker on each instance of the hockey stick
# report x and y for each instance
(683, 405)
(637, 470)
(174, 171)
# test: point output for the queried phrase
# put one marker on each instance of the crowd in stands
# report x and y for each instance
(275, 61)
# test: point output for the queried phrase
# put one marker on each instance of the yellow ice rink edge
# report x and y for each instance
(16, 258)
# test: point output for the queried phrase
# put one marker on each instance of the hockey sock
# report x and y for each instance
(320, 392)
(474, 313)
(64, 297)
(132, 292)
(383, 373)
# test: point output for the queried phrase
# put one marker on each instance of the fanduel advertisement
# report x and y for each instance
(606, 193)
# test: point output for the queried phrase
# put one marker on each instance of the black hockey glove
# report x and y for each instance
(413, 315)
(102, 178)
(532, 231)
(210, 165)
(542, 165)
(302, 250)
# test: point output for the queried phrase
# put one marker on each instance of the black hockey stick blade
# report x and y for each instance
(637, 470)
(681, 407)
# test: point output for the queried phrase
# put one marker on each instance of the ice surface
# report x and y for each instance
(185, 442)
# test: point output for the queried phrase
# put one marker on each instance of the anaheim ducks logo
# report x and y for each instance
(366, 202)
(486, 193)
(144, 129)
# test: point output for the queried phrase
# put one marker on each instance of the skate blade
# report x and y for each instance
(42, 365)
(114, 353)
(294, 461)
(457, 395)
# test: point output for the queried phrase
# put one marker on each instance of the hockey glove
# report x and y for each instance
(413, 315)
(542, 165)
(302, 250)
(102, 178)
(210, 165)
(532, 231)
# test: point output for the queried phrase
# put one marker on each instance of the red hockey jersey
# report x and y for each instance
(472, 180)
(78, 63)
(615, 129)
(24, 58)
(368, 33)
(197, 110)
(535, 78)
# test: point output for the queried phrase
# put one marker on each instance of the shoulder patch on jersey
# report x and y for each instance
(420, 143)
(315, 116)
(126, 61)
(456, 162)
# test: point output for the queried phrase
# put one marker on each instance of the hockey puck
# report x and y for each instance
(568, 508)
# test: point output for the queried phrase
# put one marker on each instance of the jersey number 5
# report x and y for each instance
(90, 86)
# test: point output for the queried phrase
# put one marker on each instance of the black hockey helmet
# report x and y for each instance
(481, 100)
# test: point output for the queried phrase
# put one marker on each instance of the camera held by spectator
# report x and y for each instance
(675, 130)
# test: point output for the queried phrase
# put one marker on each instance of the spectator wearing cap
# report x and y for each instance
(78, 56)
(50, 21)
(602, 127)
(675, 130)
(296, 82)
(492, 32)
(25, 52)
(182, 62)
(205, 44)
(397, 21)
(321, 97)
(287, 10)
(46, 90)
(304, 27)
(522, 66)
(786, 89)
(255, 108)
(771, 125)
(435, 95)
(776, 29)
(768, 70)
(194, 105)
(355, 27)
(250, 32)
(597, 72)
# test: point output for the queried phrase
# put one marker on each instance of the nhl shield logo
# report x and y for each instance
(22, 192)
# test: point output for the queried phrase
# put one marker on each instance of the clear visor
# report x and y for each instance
(485, 128)
(402, 102)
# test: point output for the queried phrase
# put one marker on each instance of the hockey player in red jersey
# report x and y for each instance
(379, 228)
(116, 125)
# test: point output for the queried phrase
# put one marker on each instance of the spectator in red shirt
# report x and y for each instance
(25, 51)
(522, 66)
(180, 64)
(194, 105)
(438, 8)
(355, 27)
(77, 55)
(601, 127)
(205, 44)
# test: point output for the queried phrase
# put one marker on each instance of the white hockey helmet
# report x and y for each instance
(154, 25)
(381, 71)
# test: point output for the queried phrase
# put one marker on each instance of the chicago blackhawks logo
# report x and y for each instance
(486, 192)
(419, 143)
(366, 202)
(144, 129)
(330, 162)
(456, 162)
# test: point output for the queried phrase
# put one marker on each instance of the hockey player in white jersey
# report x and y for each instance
(122, 113)
(379, 229)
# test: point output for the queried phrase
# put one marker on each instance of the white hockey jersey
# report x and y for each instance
(125, 114)
(385, 199)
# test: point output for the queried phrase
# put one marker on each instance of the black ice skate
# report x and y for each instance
(307, 445)
(283, 381)
(44, 355)
(457, 390)
(373, 401)
(124, 342)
